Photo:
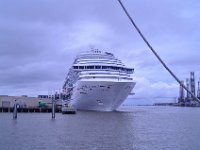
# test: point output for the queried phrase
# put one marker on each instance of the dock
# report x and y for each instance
(28, 104)
(68, 110)
(30, 110)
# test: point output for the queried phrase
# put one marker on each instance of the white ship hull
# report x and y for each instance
(100, 95)
(98, 81)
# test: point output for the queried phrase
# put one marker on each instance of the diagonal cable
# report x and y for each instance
(154, 52)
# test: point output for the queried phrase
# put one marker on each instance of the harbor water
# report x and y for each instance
(131, 128)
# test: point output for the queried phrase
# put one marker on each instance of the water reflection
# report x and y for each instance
(143, 128)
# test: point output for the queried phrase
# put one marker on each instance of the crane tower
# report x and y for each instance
(192, 83)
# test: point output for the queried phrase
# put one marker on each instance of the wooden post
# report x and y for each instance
(15, 111)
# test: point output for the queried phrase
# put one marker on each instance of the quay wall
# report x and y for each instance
(25, 102)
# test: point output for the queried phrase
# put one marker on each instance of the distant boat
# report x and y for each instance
(98, 81)
(66, 109)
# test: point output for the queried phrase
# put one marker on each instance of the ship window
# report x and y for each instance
(109, 54)
(122, 69)
(81, 67)
(75, 67)
(105, 67)
(97, 67)
(114, 68)
(90, 67)
(128, 70)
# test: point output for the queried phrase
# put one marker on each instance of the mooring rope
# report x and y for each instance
(154, 52)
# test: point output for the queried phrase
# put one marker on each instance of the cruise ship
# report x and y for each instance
(98, 81)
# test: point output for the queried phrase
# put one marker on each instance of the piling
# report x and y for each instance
(53, 108)
(15, 111)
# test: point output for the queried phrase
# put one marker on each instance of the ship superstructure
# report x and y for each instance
(98, 80)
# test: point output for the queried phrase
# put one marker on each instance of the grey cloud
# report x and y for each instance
(40, 38)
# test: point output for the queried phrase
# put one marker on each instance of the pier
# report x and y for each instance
(27, 104)
(30, 110)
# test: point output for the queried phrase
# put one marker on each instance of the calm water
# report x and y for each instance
(137, 128)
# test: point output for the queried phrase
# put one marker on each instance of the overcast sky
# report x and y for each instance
(40, 38)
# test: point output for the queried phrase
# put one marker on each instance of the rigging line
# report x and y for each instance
(154, 52)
